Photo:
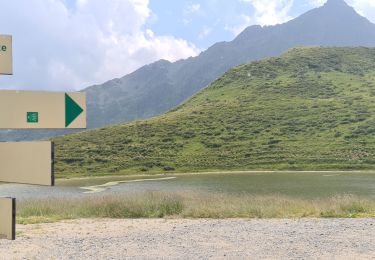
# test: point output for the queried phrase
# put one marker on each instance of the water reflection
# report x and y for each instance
(104, 187)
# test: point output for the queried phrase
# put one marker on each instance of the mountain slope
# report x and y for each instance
(158, 87)
(311, 108)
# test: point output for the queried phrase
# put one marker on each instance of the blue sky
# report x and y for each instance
(72, 44)
(208, 21)
(201, 22)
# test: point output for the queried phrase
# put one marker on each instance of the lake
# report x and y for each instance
(295, 184)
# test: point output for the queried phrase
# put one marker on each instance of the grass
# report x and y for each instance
(309, 109)
(193, 205)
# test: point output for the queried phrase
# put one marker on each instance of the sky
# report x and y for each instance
(68, 45)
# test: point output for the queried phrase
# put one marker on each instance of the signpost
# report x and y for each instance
(8, 218)
(42, 110)
(31, 162)
(6, 64)
(27, 162)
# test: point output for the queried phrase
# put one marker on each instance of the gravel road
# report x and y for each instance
(194, 239)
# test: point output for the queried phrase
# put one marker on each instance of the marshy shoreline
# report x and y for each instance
(157, 204)
(204, 195)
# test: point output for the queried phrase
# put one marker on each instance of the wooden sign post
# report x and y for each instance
(31, 162)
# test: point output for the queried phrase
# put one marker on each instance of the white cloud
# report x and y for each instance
(269, 12)
(243, 22)
(193, 8)
(316, 3)
(189, 12)
(205, 32)
(364, 7)
(57, 48)
(272, 11)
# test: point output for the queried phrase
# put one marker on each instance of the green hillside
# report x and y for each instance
(311, 108)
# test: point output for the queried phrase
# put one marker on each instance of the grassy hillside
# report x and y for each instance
(311, 108)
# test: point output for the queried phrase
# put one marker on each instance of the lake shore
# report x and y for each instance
(194, 239)
(63, 178)
(311, 184)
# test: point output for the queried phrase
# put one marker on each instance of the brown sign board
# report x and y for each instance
(6, 59)
(27, 162)
(7, 218)
(42, 110)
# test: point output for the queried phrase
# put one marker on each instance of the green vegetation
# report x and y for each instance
(193, 205)
(312, 108)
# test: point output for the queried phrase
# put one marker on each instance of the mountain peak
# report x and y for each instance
(336, 3)
(340, 12)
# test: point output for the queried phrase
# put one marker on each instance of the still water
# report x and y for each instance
(296, 184)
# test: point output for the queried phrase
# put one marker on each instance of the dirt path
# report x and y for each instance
(195, 239)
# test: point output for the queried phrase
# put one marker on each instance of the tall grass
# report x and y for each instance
(193, 205)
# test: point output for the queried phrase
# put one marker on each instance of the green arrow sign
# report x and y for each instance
(72, 110)
(42, 110)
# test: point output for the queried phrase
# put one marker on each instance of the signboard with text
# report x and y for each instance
(6, 60)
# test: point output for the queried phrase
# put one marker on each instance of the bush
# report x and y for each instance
(168, 168)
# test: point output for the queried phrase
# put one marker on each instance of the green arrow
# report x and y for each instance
(72, 110)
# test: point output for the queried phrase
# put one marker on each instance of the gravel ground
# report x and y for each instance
(194, 239)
